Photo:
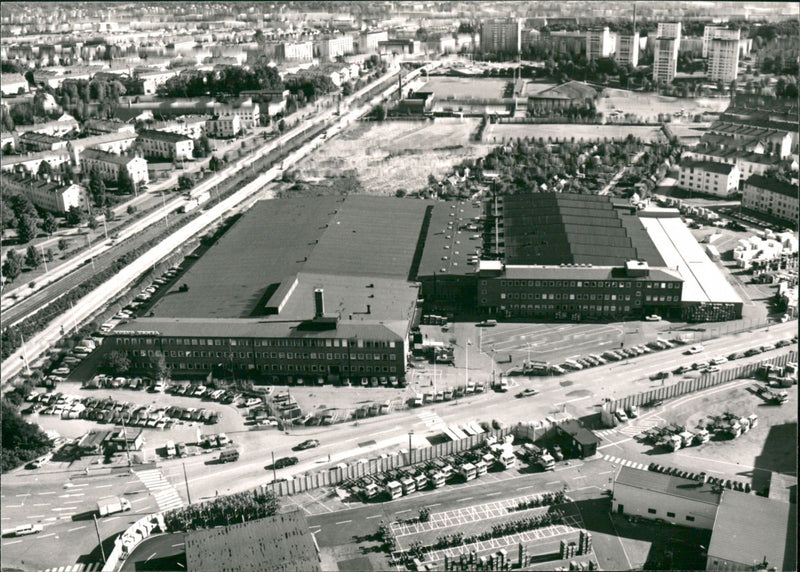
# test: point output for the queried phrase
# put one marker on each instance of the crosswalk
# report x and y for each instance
(432, 421)
(165, 494)
(90, 567)
(624, 462)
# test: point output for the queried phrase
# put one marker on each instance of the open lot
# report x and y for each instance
(770, 446)
(460, 87)
(496, 132)
(380, 158)
(648, 105)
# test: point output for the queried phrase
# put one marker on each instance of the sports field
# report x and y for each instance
(496, 132)
(648, 105)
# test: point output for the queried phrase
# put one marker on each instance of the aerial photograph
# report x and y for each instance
(360, 286)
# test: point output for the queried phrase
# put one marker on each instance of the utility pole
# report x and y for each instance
(466, 369)
(25, 355)
(99, 540)
(44, 258)
(274, 473)
(186, 481)
(125, 437)
(410, 448)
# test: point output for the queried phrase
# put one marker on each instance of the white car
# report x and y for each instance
(25, 529)
(61, 371)
(621, 415)
(653, 318)
(719, 360)
(695, 349)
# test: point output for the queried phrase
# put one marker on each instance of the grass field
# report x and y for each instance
(649, 105)
(379, 158)
(496, 132)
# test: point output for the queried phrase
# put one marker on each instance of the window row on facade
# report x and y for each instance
(235, 342)
(583, 284)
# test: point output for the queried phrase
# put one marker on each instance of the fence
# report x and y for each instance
(362, 468)
(707, 331)
(689, 386)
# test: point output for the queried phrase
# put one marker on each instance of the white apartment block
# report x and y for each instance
(772, 197)
(709, 177)
(108, 166)
(501, 35)
(723, 59)
(32, 161)
(165, 145)
(670, 30)
(599, 43)
(713, 32)
(296, 51)
(665, 62)
(249, 113)
(116, 143)
(13, 83)
(152, 79)
(628, 49)
(223, 127)
(328, 49)
(192, 126)
(369, 41)
(52, 196)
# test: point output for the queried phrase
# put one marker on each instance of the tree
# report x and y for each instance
(12, 267)
(125, 183)
(97, 188)
(49, 224)
(215, 163)
(131, 209)
(202, 147)
(159, 366)
(74, 216)
(117, 363)
(48, 255)
(380, 113)
(93, 224)
(400, 193)
(281, 126)
(63, 244)
(27, 228)
(185, 182)
(33, 258)
(22, 441)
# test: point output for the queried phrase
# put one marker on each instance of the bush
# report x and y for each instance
(22, 441)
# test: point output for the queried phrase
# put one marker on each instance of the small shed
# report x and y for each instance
(578, 438)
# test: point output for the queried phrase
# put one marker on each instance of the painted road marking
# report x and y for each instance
(344, 522)
(43, 504)
(465, 499)
(402, 511)
(48, 493)
(76, 528)
(139, 500)
(528, 487)
(373, 516)
(14, 505)
(36, 516)
(550, 483)
(12, 542)
(24, 495)
(176, 545)
(493, 494)
(104, 486)
(46, 535)
(434, 504)
(579, 477)
(151, 556)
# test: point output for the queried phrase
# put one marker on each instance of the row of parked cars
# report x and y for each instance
(141, 299)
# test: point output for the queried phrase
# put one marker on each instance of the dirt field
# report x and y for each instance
(379, 158)
(496, 132)
(649, 105)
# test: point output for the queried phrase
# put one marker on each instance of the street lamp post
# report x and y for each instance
(410, 448)
(466, 369)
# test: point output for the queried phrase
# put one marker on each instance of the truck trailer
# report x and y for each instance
(112, 505)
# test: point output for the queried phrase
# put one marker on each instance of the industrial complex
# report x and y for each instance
(328, 289)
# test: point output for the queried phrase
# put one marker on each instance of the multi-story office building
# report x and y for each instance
(723, 57)
(165, 145)
(501, 36)
(108, 165)
(368, 41)
(665, 56)
(772, 197)
(709, 177)
(600, 43)
(628, 49)
(302, 51)
(48, 194)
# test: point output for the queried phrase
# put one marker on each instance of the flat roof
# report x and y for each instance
(266, 246)
(775, 185)
(280, 543)
(564, 228)
(750, 528)
(703, 279)
(666, 484)
(582, 272)
(448, 235)
(465, 88)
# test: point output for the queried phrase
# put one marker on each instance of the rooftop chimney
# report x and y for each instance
(319, 304)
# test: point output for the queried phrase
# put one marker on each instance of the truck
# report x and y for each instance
(189, 206)
(535, 368)
(468, 471)
(506, 459)
(112, 505)
(687, 438)
(672, 442)
(202, 197)
(546, 461)
(702, 436)
(394, 490)
(418, 400)
(229, 455)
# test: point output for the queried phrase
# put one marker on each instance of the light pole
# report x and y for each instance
(466, 369)
(186, 481)
(410, 448)
(44, 258)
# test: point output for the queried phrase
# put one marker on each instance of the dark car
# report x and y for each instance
(309, 444)
(285, 462)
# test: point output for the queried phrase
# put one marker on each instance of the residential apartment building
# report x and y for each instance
(116, 143)
(368, 41)
(191, 126)
(665, 56)
(749, 164)
(328, 49)
(563, 42)
(711, 33)
(109, 165)
(13, 83)
(501, 36)
(165, 145)
(41, 142)
(248, 112)
(709, 177)
(102, 126)
(723, 56)
(771, 197)
(151, 80)
(32, 161)
(49, 194)
(223, 127)
(600, 43)
(628, 49)
(295, 51)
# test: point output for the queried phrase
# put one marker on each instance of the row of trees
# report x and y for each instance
(230, 80)
(222, 511)
(22, 441)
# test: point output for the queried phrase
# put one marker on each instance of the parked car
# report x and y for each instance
(633, 412)
(620, 415)
(695, 349)
(25, 529)
(719, 360)
(653, 318)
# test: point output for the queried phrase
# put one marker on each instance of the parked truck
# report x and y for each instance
(394, 490)
(687, 438)
(702, 436)
(112, 505)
